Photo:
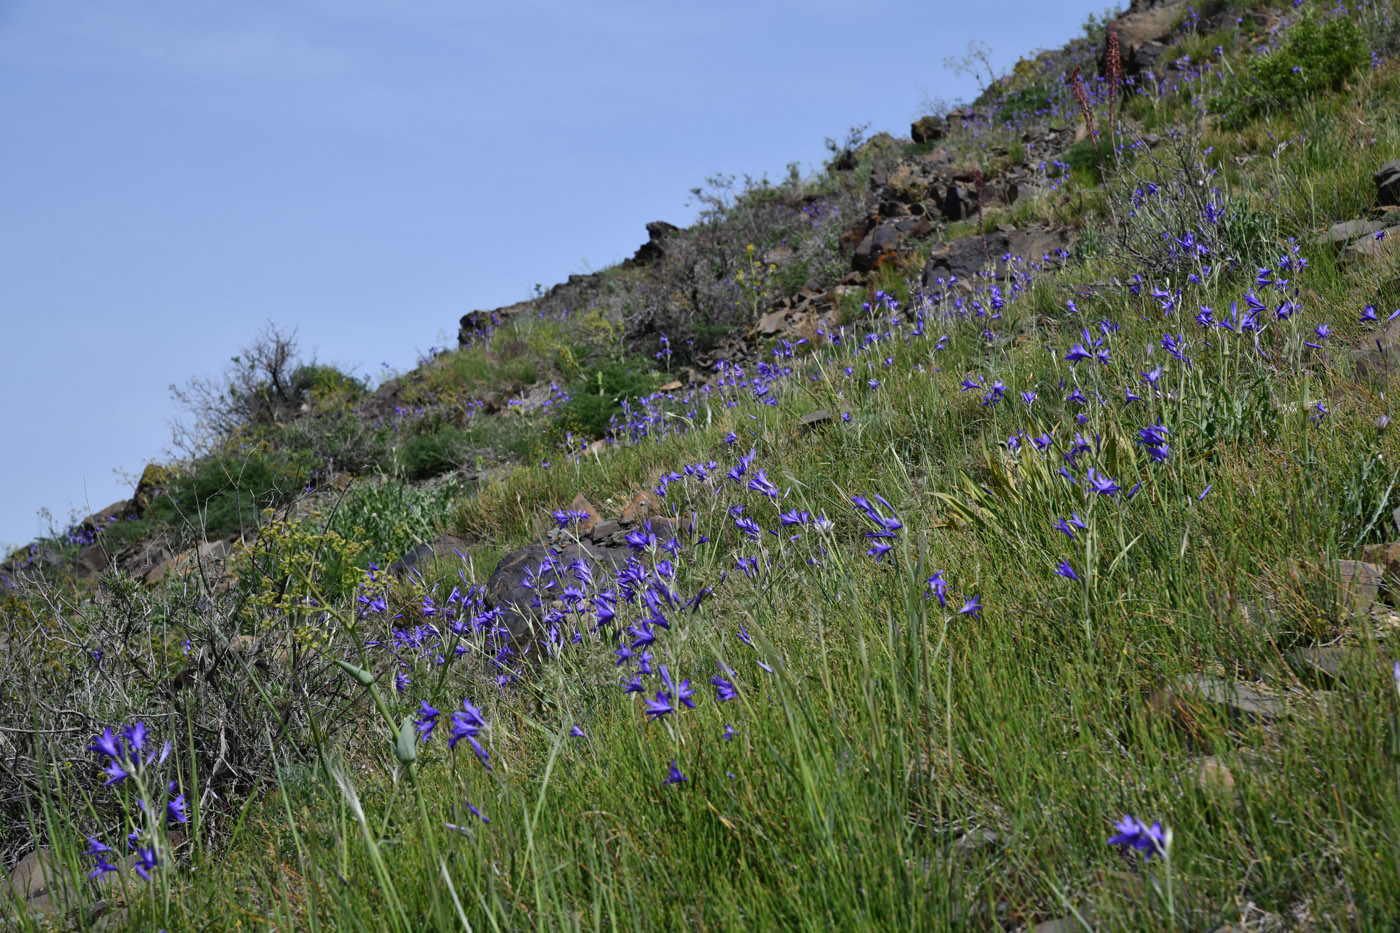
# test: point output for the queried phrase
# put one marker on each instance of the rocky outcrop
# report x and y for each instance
(1000, 251)
(1143, 30)
(885, 241)
(928, 129)
(654, 249)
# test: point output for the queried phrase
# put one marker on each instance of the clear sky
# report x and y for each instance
(174, 174)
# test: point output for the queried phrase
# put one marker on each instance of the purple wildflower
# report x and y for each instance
(1149, 840)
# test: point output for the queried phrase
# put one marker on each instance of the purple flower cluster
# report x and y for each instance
(1149, 840)
(126, 757)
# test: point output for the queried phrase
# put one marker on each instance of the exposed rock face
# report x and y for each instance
(1142, 30)
(885, 240)
(966, 256)
(655, 246)
(1387, 180)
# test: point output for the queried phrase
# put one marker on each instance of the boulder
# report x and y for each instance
(1021, 189)
(154, 574)
(114, 512)
(654, 248)
(93, 559)
(34, 557)
(928, 129)
(643, 506)
(513, 586)
(215, 551)
(441, 546)
(665, 528)
(1386, 557)
(32, 879)
(1372, 246)
(1387, 179)
(152, 481)
(1358, 584)
(966, 256)
(1377, 357)
(581, 504)
(1348, 231)
(1327, 665)
(877, 145)
(882, 242)
(1213, 775)
(959, 202)
(1145, 57)
(140, 557)
(474, 327)
(1240, 702)
(873, 147)
(1058, 925)
(604, 530)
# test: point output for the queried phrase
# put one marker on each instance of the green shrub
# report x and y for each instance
(318, 383)
(708, 336)
(223, 494)
(792, 277)
(334, 440)
(432, 453)
(391, 517)
(293, 567)
(1315, 56)
(1037, 98)
(479, 369)
(598, 395)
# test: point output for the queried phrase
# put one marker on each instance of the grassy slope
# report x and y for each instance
(904, 765)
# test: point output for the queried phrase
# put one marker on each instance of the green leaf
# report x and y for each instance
(363, 677)
(406, 745)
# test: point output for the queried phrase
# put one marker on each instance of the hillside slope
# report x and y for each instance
(999, 529)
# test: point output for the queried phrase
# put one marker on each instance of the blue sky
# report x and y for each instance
(176, 174)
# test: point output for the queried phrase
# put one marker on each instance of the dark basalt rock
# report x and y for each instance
(511, 586)
(1387, 179)
(441, 546)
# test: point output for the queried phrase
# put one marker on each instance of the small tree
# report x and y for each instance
(259, 386)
